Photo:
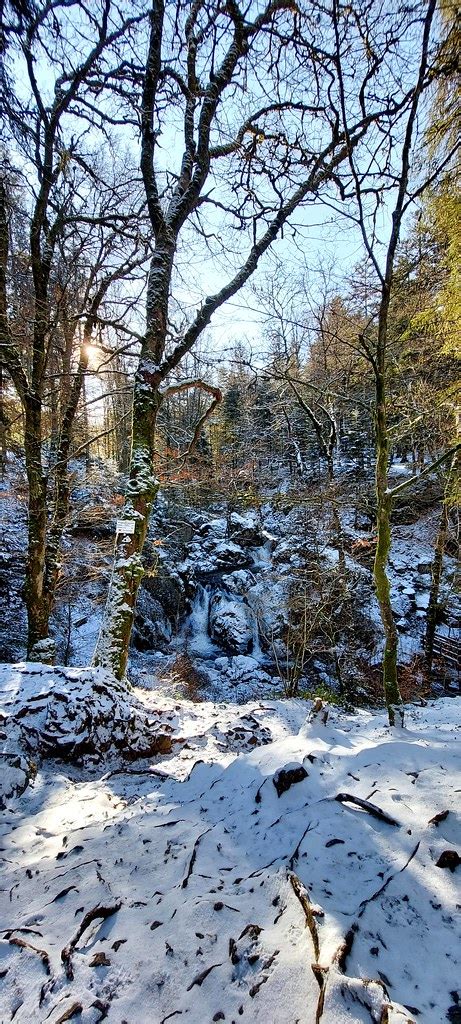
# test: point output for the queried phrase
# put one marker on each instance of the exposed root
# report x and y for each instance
(92, 915)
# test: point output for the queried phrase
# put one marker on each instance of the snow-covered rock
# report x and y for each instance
(66, 713)
(228, 553)
(15, 775)
(241, 668)
(229, 625)
(268, 601)
(215, 527)
(245, 530)
(239, 582)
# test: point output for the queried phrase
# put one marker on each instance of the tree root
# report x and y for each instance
(92, 915)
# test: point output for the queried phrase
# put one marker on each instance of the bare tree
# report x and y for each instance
(405, 182)
(201, 71)
(77, 240)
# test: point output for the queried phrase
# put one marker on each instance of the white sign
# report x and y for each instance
(126, 525)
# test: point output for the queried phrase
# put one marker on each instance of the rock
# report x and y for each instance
(449, 859)
(43, 651)
(151, 630)
(168, 589)
(16, 773)
(218, 527)
(228, 553)
(245, 530)
(424, 566)
(66, 713)
(229, 625)
(241, 669)
(288, 776)
(268, 601)
(239, 582)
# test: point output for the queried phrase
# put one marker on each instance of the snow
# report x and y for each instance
(183, 887)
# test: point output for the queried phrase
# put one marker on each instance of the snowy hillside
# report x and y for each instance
(272, 867)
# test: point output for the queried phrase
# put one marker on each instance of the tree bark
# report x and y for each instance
(382, 586)
(34, 590)
(113, 642)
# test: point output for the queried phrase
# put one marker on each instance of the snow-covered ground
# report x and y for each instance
(202, 886)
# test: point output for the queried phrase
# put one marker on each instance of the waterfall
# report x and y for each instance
(197, 623)
(256, 651)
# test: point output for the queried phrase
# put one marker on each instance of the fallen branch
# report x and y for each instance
(373, 809)
(92, 915)
(73, 1010)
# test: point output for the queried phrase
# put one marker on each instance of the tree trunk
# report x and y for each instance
(34, 588)
(113, 642)
(382, 586)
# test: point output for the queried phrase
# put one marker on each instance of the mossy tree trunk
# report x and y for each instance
(113, 642)
(383, 543)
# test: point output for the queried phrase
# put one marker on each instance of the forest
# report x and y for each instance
(230, 443)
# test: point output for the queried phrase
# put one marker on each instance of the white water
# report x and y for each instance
(197, 624)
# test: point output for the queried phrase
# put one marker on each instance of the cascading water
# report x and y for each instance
(198, 639)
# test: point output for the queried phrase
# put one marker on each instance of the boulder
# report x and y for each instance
(168, 590)
(152, 629)
(55, 712)
(239, 582)
(245, 530)
(268, 601)
(227, 553)
(229, 625)
(214, 527)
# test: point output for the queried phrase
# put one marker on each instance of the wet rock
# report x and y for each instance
(168, 589)
(288, 776)
(245, 530)
(239, 582)
(151, 630)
